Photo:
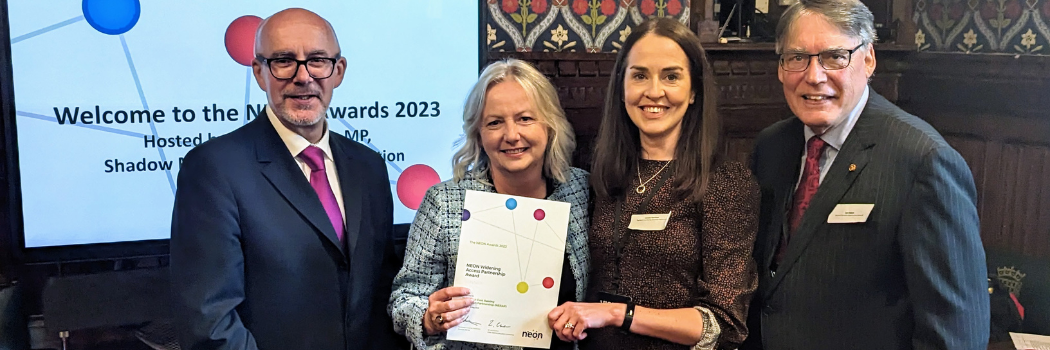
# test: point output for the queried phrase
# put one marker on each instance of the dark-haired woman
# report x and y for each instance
(673, 224)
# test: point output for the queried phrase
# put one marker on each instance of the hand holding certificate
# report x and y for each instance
(510, 256)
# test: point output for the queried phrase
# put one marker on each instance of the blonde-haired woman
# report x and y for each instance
(517, 142)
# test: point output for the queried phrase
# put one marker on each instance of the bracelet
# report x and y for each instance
(628, 317)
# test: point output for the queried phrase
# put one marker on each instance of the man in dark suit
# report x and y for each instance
(868, 234)
(282, 230)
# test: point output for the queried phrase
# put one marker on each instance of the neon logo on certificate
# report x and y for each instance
(511, 251)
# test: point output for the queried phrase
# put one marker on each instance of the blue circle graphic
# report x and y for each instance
(113, 17)
(466, 215)
(511, 203)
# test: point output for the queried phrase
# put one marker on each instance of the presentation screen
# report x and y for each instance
(110, 95)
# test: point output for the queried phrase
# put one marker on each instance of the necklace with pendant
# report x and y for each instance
(641, 187)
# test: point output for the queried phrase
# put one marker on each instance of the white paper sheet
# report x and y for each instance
(511, 251)
(1024, 341)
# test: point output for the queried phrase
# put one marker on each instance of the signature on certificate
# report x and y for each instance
(496, 324)
(466, 319)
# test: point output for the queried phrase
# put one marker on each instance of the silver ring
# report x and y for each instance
(569, 325)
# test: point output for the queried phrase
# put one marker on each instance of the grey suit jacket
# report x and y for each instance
(912, 276)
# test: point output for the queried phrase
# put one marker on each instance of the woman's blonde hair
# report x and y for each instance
(561, 140)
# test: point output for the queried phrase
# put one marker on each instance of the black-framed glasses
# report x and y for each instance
(285, 68)
(830, 59)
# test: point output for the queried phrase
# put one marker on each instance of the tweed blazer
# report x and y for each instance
(433, 243)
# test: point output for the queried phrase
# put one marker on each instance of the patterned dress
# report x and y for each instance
(701, 260)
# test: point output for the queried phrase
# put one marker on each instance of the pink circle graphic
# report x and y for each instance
(240, 39)
(413, 183)
(548, 283)
(539, 214)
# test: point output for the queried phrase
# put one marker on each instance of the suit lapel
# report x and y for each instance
(284, 174)
(848, 165)
(350, 185)
(787, 169)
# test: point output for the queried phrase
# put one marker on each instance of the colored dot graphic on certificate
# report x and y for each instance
(500, 222)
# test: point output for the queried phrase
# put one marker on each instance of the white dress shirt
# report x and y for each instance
(296, 144)
(835, 136)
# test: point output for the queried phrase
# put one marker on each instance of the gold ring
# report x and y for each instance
(440, 319)
(569, 325)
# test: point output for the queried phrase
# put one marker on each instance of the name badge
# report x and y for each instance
(850, 213)
(649, 222)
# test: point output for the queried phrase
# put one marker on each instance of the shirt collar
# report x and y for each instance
(836, 135)
(297, 143)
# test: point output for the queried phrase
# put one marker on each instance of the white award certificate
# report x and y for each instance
(511, 251)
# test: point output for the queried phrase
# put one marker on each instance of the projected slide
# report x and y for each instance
(111, 94)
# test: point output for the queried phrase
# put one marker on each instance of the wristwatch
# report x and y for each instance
(628, 317)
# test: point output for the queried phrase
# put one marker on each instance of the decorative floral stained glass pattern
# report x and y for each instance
(963, 26)
(983, 26)
(571, 25)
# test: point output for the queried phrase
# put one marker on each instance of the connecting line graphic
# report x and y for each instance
(134, 75)
(517, 253)
(88, 126)
(522, 271)
(529, 261)
(247, 90)
(142, 97)
(373, 147)
(551, 230)
(474, 213)
(145, 105)
(47, 29)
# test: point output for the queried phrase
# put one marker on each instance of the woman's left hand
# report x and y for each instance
(570, 320)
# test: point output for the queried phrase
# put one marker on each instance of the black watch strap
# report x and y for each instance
(628, 317)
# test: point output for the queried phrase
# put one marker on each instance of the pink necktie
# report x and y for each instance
(314, 158)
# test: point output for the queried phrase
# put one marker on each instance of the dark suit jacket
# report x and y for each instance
(255, 262)
(912, 277)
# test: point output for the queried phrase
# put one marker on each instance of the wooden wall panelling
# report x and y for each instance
(751, 96)
(581, 80)
(1017, 188)
(992, 109)
(1012, 178)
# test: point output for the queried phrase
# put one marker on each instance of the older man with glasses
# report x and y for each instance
(282, 230)
(869, 235)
